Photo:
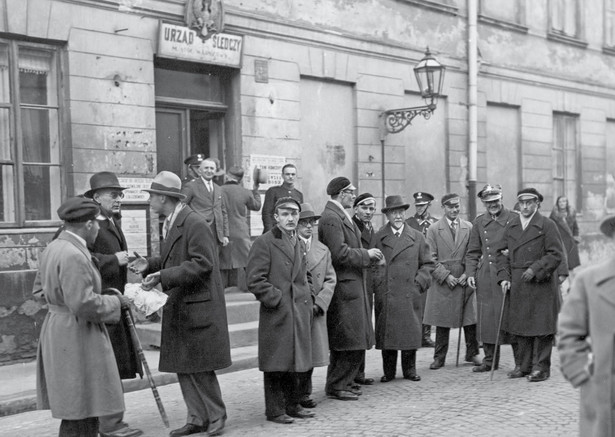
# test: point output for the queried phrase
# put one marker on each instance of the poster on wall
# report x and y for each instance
(134, 192)
(135, 224)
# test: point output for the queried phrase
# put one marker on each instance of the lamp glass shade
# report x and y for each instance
(429, 76)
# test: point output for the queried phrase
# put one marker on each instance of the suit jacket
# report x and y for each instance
(210, 205)
(195, 334)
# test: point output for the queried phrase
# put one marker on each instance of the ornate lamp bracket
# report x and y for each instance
(396, 120)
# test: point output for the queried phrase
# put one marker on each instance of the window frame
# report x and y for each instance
(576, 179)
(609, 15)
(578, 39)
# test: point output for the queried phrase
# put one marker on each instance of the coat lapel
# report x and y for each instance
(174, 234)
(534, 230)
(282, 245)
(403, 242)
(445, 234)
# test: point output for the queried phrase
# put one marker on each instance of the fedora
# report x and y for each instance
(167, 183)
(394, 202)
(307, 212)
(103, 179)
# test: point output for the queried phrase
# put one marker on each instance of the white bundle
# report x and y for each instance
(147, 302)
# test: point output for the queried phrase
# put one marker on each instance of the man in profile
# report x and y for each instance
(287, 189)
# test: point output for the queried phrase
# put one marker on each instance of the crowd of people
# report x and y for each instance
(497, 277)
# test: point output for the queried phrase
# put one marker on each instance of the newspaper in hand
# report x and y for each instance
(147, 302)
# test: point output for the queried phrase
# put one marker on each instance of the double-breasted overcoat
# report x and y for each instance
(210, 205)
(398, 285)
(277, 276)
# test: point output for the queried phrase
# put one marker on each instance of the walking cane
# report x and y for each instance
(497, 337)
(461, 314)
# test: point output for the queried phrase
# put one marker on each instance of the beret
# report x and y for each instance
(450, 198)
(286, 200)
(364, 198)
(78, 209)
(529, 193)
(422, 198)
(337, 185)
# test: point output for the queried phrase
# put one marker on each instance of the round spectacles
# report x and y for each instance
(115, 195)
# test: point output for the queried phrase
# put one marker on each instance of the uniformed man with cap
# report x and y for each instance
(527, 261)
(287, 189)
(193, 162)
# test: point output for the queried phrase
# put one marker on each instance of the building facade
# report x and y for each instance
(126, 86)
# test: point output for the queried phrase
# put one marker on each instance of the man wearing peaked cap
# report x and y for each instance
(193, 162)
(287, 189)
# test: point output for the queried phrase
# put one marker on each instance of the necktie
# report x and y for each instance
(209, 187)
(293, 240)
(454, 229)
(397, 234)
(165, 227)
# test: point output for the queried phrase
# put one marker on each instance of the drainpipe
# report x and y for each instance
(472, 107)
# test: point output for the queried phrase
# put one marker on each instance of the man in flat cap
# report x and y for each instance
(528, 272)
(349, 321)
(481, 270)
(588, 313)
(195, 340)
(239, 202)
(77, 376)
(449, 303)
(287, 189)
(421, 221)
(110, 250)
(278, 276)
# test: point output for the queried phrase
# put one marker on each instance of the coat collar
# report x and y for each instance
(67, 236)
(174, 232)
(444, 232)
(397, 244)
(281, 244)
(534, 229)
(605, 272)
(333, 207)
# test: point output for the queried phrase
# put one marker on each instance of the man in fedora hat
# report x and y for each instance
(398, 284)
(323, 285)
(239, 202)
(421, 221)
(449, 303)
(349, 320)
(278, 277)
(110, 250)
(287, 189)
(195, 338)
(588, 313)
(527, 270)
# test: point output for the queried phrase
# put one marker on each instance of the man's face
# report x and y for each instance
(92, 228)
(207, 169)
(346, 198)
(109, 200)
(287, 218)
(396, 217)
(421, 210)
(155, 203)
(528, 207)
(493, 207)
(305, 228)
(365, 211)
(451, 210)
(289, 175)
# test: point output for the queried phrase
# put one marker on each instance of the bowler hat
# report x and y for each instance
(422, 198)
(103, 179)
(364, 198)
(78, 210)
(489, 193)
(338, 184)
(394, 202)
(307, 212)
(529, 193)
(607, 227)
(236, 171)
(167, 183)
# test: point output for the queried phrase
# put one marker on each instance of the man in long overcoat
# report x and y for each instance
(530, 254)
(481, 270)
(588, 313)
(278, 277)
(349, 320)
(77, 376)
(399, 283)
(449, 303)
(194, 339)
(239, 202)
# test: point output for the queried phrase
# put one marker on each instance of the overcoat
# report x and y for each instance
(239, 202)
(210, 205)
(368, 241)
(568, 238)
(398, 285)
(485, 237)
(77, 376)
(349, 320)
(323, 285)
(531, 307)
(444, 306)
(589, 312)
(194, 335)
(277, 276)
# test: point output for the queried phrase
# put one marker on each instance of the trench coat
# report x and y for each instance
(210, 205)
(323, 285)
(589, 312)
(349, 320)
(485, 237)
(444, 306)
(398, 286)
(531, 307)
(277, 276)
(194, 335)
(77, 376)
(239, 201)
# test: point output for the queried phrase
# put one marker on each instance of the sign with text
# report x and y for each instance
(135, 224)
(180, 42)
(271, 164)
(133, 193)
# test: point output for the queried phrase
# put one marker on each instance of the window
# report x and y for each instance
(30, 155)
(566, 18)
(511, 11)
(609, 23)
(566, 156)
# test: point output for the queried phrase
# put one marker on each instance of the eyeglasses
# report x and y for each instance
(115, 195)
(351, 192)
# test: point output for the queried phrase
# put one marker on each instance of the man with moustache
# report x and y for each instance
(287, 189)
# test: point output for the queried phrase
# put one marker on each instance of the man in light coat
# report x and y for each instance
(449, 303)
(195, 339)
(588, 313)
(77, 376)
(278, 277)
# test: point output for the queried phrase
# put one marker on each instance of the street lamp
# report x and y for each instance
(430, 77)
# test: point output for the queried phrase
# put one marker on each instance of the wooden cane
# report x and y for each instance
(461, 314)
(497, 338)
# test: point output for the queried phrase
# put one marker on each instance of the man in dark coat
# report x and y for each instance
(421, 221)
(195, 338)
(349, 321)
(287, 189)
(528, 269)
(111, 253)
(278, 277)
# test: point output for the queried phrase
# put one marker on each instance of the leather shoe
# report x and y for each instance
(308, 402)
(474, 360)
(282, 419)
(122, 432)
(364, 381)
(387, 378)
(538, 376)
(482, 368)
(187, 429)
(436, 364)
(355, 389)
(343, 395)
(517, 373)
(301, 414)
(412, 377)
(428, 342)
(217, 427)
